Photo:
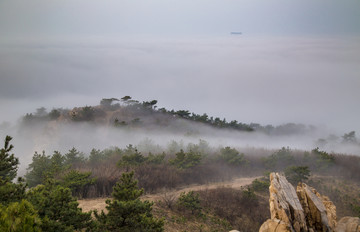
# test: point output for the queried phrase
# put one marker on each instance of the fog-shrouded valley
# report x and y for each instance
(118, 122)
(153, 116)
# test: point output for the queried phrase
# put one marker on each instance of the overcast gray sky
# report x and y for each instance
(59, 17)
(297, 61)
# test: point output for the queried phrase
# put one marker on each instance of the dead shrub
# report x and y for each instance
(168, 199)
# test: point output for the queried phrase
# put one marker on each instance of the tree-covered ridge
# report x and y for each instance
(137, 109)
(129, 113)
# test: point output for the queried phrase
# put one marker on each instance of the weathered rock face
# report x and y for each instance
(319, 216)
(348, 224)
(300, 211)
(284, 203)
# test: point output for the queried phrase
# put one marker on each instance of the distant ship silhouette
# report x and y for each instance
(235, 33)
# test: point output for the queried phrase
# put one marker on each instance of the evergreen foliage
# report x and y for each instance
(278, 160)
(8, 162)
(232, 156)
(57, 164)
(78, 182)
(249, 198)
(96, 156)
(57, 208)
(260, 185)
(155, 159)
(349, 137)
(295, 174)
(190, 201)
(44, 167)
(54, 114)
(11, 192)
(126, 212)
(132, 160)
(107, 102)
(186, 160)
(74, 157)
(38, 169)
(86, 113)
(202, 147)
(19, 216)
(323, 160)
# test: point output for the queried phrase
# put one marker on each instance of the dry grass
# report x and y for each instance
(99, 203)
(225, 207)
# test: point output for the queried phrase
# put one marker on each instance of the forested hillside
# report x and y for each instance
(154, 185)
(46, 196)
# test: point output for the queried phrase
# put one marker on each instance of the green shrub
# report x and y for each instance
(260, 185)
(356, 209)
(295, 174)
(190, 201)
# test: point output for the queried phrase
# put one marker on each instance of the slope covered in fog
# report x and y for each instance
(119, 122)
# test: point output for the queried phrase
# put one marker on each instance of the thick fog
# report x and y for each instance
(50, 136)
(296, 61)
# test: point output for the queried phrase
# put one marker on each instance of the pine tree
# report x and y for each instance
(74, 157)
(127, 213)
(8, 162)
(38, 170)
(9, 191)
(190, 201)
(57, 208)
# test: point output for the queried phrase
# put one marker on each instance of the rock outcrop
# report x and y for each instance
(285, 205)
(319, 210)
(348, 224)
(299, 211)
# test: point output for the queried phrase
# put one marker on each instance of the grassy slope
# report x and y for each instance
(224, 207)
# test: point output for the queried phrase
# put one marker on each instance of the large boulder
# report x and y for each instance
(285, 205)
(300, 211)
(319, 210)
(348, 224)
(272, 225)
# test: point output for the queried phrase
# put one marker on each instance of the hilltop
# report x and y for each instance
(126, 118)
(129, 113)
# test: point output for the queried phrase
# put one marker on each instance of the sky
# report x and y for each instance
(296, 61)
(164, 17)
